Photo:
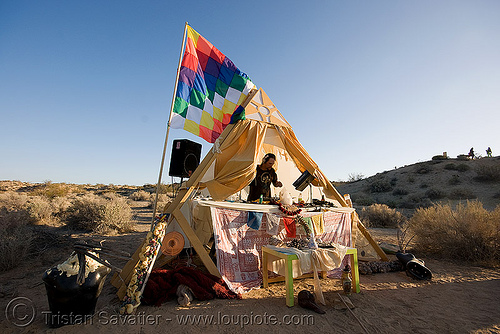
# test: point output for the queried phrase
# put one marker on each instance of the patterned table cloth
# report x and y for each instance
(239, 247)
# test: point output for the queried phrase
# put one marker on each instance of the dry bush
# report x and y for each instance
(40, 209)
(60, 205)
(23, 209)
(140, 195)
(469, 232)
(415, 201)
(13, 201)
(450, 166)
(423, 169)
(15, 242)
(100, 214)
(52, 190)
(13, 209)
(454, 180)
(400, 192)
(487, 173)
(439, 157)
(380, 215)
(461, 167)
(380, 186)
(163, 201)
(434, 194)
(118, 215)
(111, 195)
(461, 193)
(15, 234)
(86, 212)
(166, 188)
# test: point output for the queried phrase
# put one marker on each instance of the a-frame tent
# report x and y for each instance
(228, 168)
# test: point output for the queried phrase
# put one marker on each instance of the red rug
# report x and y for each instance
(162, 285)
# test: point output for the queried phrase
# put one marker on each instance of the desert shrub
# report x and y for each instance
(380, 186)
(411, 179)
(163, 200)
(423, 169)
(424, 185)
(434, 194)
(487, 173)
(454, 180)
(365, 201)
(469, 232)
(463, 167)
(439, 157)
(60, 205)
(450, 166)
(15, 242)
(416, 201)
(99, 214)
(140, 195)
(39, 209)
(86, 212)
(13, 208)
(51, 190)
(462, 157)
(15, 234)
(166, 188)
(380, 215)
(13, 201)
(400, 192)
(497, 195)
(118, 215)
(394, 180)
(461, 194)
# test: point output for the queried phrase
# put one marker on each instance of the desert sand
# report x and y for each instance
(459, 299)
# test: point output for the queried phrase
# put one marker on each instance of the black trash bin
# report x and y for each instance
(69, 301)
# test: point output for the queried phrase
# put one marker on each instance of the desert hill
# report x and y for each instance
(406, 188)
(424, 183)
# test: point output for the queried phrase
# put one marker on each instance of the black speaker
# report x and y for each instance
(185, 158)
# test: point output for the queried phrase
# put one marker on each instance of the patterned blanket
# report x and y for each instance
(239, 247)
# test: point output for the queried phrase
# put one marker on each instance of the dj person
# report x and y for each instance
(266, 175)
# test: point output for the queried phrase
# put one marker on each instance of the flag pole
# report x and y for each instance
(168, 124)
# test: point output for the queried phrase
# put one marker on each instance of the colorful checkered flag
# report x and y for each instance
(210, 90)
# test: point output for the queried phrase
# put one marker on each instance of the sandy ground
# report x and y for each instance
(459, 299)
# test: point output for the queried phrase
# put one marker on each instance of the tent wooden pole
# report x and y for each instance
(372, 242)
(122, 279)
(364, 231)
(195, 241)
(124, 276)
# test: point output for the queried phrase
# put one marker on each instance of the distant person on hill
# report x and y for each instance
(471, 153)
(488, 152)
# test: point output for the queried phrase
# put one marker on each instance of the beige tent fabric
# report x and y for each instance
(235, 165)
(238, 158)
(304, 162)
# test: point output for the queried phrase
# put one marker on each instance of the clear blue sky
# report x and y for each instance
(86, 86)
